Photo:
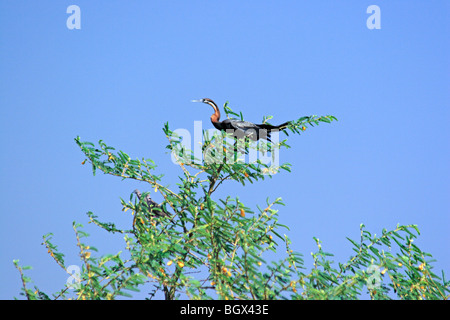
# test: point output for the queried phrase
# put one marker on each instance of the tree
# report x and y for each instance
(212, 248)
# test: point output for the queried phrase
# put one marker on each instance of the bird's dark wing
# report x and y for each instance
(244, 125)
(150, 202)
(155, 208)
(152, 206)
(251, 130)
(241, 128)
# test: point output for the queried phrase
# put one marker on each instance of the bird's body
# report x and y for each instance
(154, 208)
(248, 129)
(240, 128)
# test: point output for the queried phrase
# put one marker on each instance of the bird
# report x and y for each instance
(240, 128)
(154, 208)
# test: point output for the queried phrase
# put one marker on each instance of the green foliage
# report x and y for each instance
(217, 248)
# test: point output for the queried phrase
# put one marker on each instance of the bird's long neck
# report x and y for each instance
(215, 117)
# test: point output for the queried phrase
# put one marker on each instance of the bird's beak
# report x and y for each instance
(196, 100)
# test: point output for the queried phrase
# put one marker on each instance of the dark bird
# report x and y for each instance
(240, 128)
(154, 208)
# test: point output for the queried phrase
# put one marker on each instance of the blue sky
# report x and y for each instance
(135, 65)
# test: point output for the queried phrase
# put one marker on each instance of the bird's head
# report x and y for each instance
(216, 115)
(207, 101)
(204, 100)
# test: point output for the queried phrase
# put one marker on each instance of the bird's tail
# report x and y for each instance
(283, 125)
(279, 127)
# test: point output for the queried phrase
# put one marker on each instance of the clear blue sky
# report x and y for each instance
(134, 65)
